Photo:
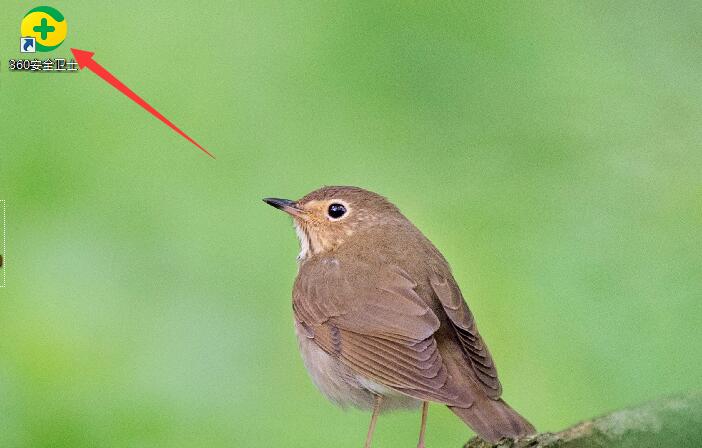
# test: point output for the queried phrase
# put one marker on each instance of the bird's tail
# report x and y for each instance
(493, 420)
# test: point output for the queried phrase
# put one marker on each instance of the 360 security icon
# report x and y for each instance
(43, 29)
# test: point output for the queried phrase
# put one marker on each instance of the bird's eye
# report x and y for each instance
(336, 211)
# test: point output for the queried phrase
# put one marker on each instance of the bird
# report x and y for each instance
(380, 320)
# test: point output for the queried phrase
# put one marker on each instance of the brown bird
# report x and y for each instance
(380, 320)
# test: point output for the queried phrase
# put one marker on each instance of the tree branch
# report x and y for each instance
(672, 422)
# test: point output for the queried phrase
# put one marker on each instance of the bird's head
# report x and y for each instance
(327, 218)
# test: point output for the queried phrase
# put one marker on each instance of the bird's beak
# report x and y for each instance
(286, 205)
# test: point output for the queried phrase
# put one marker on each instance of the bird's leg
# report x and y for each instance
(423, 427)
(374, 418)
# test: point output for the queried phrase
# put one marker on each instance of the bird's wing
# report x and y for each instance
(474, 349)
(376, 324)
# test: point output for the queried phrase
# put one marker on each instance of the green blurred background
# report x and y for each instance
(551, 150)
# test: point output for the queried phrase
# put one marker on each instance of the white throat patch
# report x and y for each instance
(304, 242)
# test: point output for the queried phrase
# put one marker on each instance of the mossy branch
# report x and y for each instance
(672, 422)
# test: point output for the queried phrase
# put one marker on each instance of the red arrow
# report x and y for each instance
(85, 59)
